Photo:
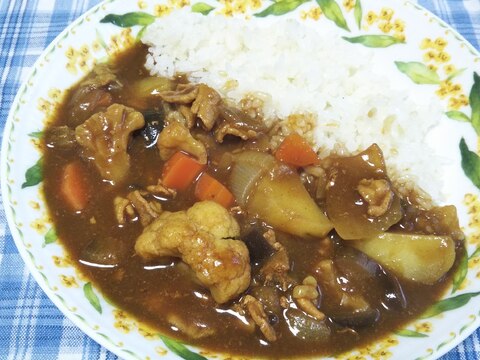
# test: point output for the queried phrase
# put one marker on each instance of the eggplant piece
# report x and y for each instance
(269, 296)
(258, 248)
(106, 252)
(306, 327)
(356, 319)
(356, 265)
(154, 124)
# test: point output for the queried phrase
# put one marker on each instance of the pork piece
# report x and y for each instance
(188, 115)
(177, 137)
(202, 237)
(340, 299)
(160, 189)
(276, 267)
(256, 311)
(123, 209)
(146, 210)
(377, 193)
(104, 138)
(183, 94)
(207, 106)
(235, 122)
(101, 76)
(136, 205)
(193, 329)
(304, 294)
(92, 95)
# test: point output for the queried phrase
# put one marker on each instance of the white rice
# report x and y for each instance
(356, 93)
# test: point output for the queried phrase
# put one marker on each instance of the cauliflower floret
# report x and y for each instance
(202, 238)
(210, 217)
(177, 137)
(105, 136)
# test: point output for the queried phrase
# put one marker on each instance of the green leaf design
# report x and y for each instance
(50, 236)
(140, 33)
(131, 353)
(448, 304)
(467, 325)
(281, 7)
(34, 175)
(358, 13)
(418, 72)
(92, 297)
(455, 74)
(202, 8)
(332, 11)
(458, 116)
(180, 349)
(36, 134)
(100, 40)
(410, 333)
(470, 163)
(474, 100)
(442, 344)
(129, 19)
(461, 272)
(374, 41)
(476, 253)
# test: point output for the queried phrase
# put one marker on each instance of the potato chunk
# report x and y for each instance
(282, 201)
(421, 258)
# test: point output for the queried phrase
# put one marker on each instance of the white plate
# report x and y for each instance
(73, 53)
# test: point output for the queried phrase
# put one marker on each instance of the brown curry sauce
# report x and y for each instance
(149, 291)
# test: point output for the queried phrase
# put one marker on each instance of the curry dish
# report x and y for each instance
(196, 217)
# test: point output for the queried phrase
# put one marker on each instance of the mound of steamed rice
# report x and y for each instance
(354, 93)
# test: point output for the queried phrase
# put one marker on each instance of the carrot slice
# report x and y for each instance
(180, 171)
(295, 150)
(74, 186)
(208, 188)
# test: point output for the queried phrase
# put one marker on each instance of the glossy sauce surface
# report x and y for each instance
(164, 292)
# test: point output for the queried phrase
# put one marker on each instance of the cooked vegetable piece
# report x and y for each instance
(421, 258)
(144, 91)
(106, 252)
(105, 137)
(346, 208)
(151, 85)
(176, 137)
(305, 326)
(154, 124)
(296, 151)
(209, 188)
(180, 171)
(202, 237)
(74, 186)
(236, 274)
(281, 200)
(439, 220)
(248, 167)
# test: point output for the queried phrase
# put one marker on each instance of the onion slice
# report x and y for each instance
(248, 167)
